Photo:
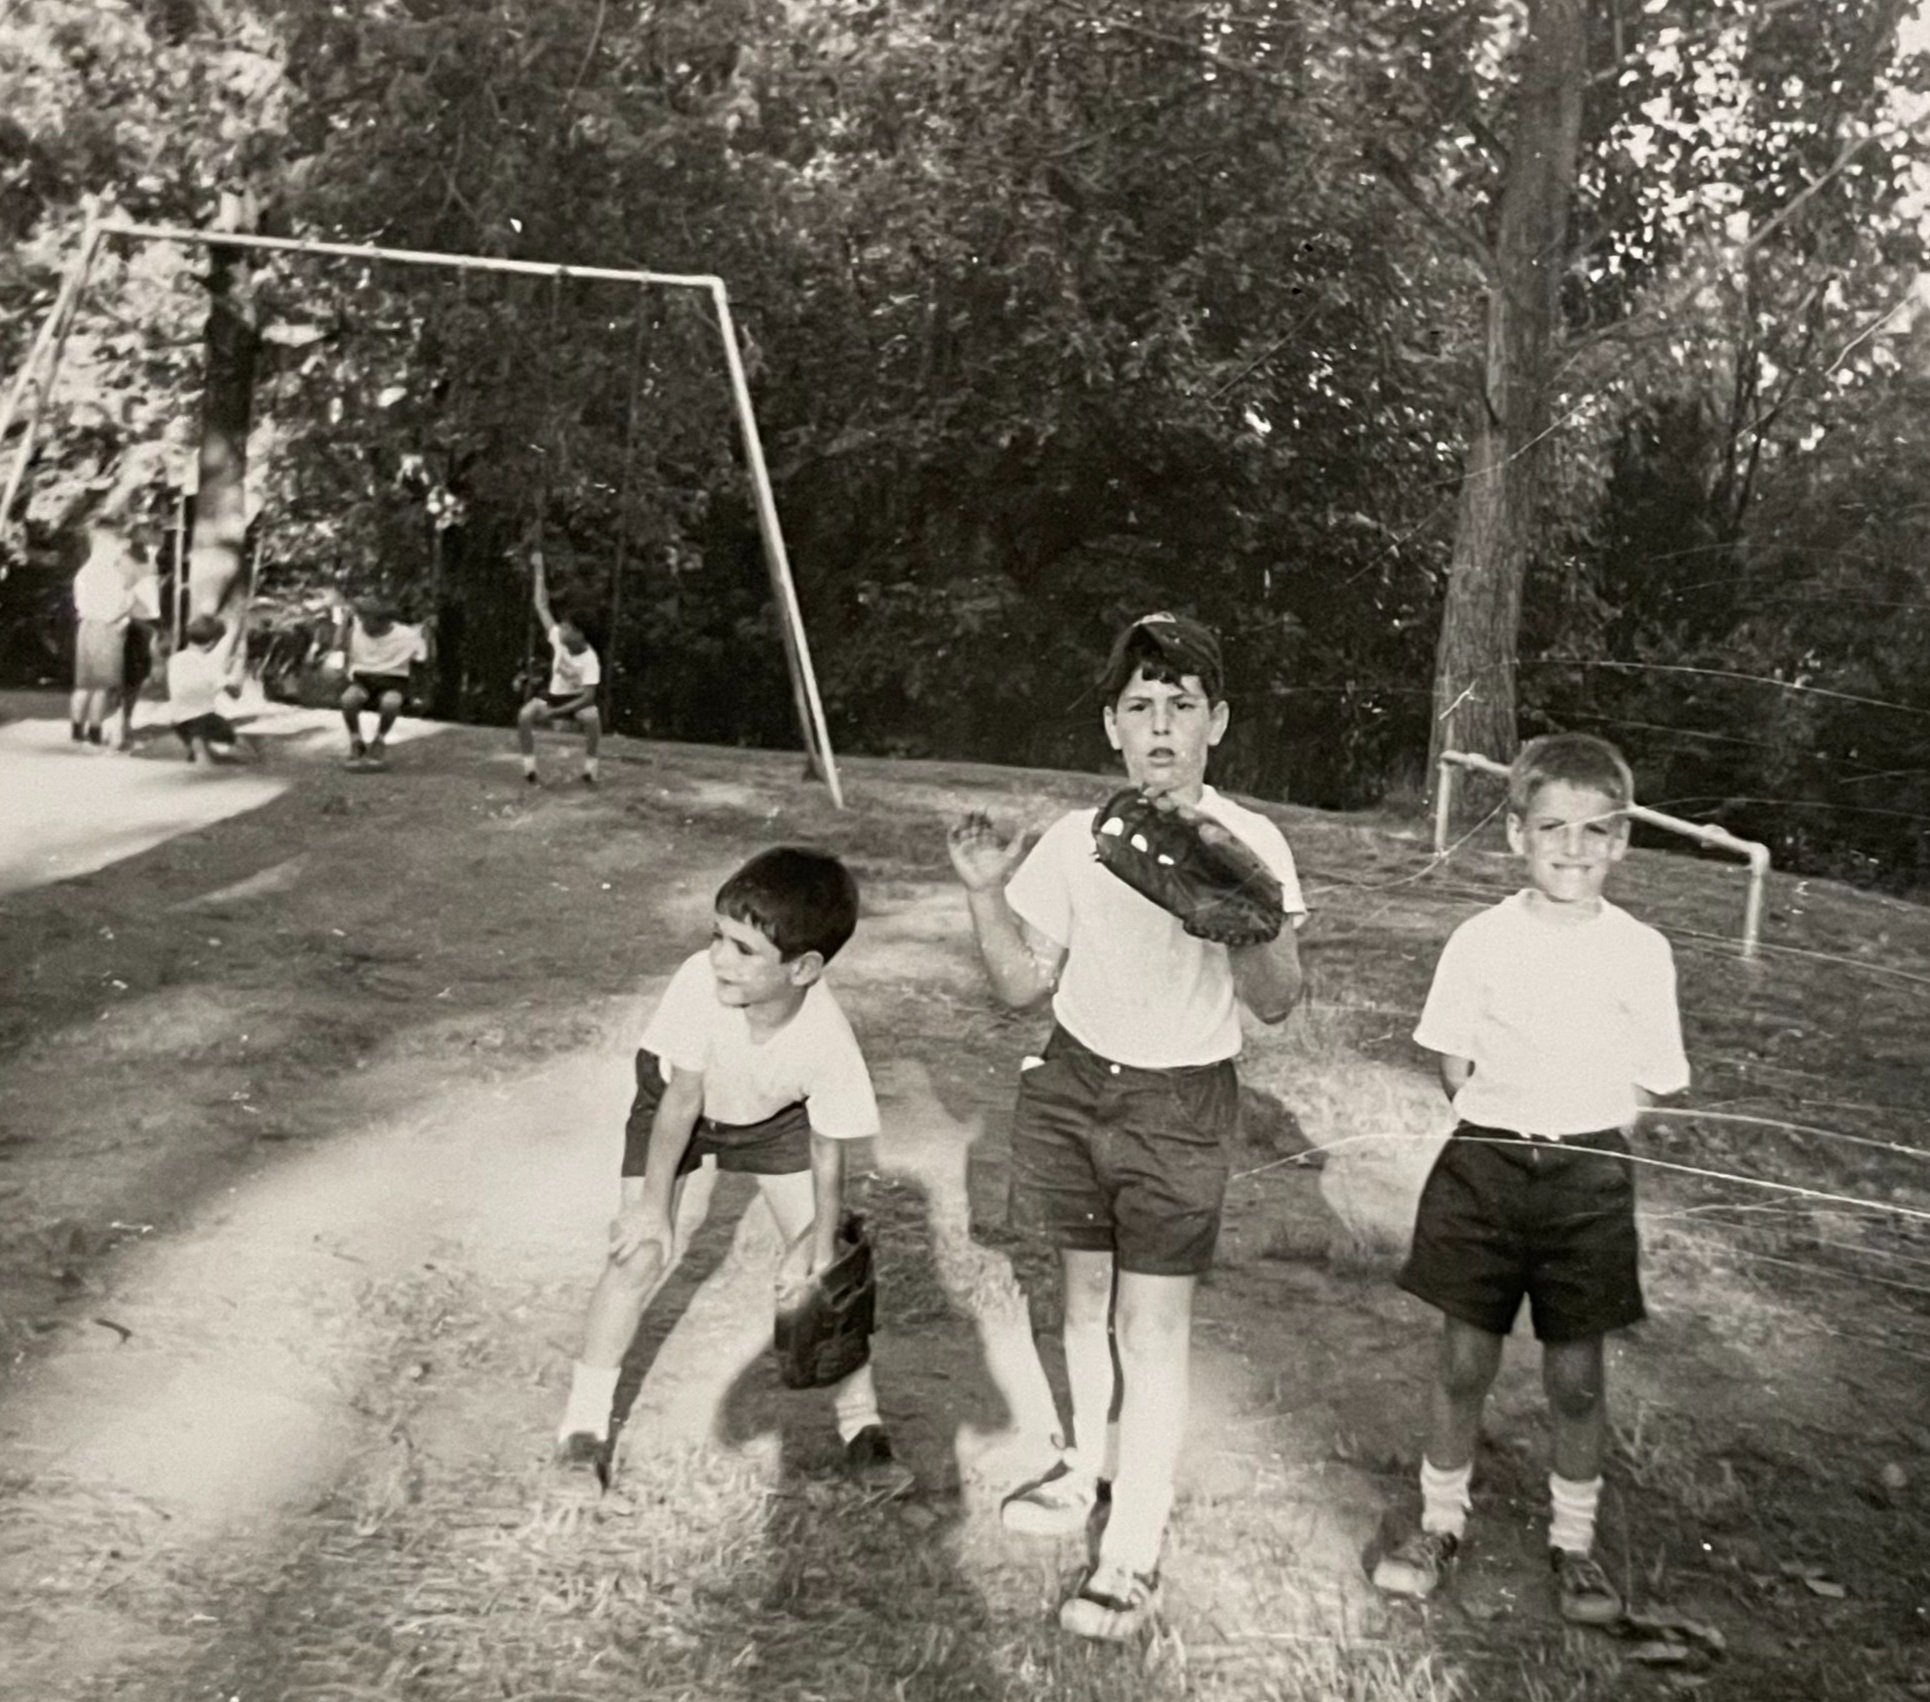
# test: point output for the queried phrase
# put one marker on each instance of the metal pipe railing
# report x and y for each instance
(1704, 833)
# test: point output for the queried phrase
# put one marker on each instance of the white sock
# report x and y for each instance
(1152, 1431)
(855, 1401)
(1445, 1498)
(1089, 1374)
(589, 766)
(1573, 1525)
(529, 765)
(593, 1391)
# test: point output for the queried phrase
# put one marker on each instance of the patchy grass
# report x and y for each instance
(440, 932)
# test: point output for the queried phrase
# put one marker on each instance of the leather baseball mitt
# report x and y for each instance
(1219, 891)
(824, 1323)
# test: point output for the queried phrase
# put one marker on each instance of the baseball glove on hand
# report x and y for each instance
(1217, 888)
(824, 1323)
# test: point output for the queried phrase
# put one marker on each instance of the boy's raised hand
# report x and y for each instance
(981, 857)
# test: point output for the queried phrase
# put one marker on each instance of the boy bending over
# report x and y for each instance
(1554, 1015)
(198, 674)
(747, 1064)
(1121, 1134)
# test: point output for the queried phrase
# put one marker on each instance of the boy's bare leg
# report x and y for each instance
(532, 715)
(1572, 1373)
(1153, 1326)
(1464, 1373)
(1091, 1375)
(387, 710)
(592, 724)
(622, 1294)
(624, 1291)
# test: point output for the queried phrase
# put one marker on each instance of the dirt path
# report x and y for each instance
(309, 1129)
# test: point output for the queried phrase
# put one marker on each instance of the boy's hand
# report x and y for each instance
(982, 859)
(637, 1229)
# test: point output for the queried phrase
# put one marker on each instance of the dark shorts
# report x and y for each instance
(1501, 1218)
(778, 1146)
(379, 686)
(216, 729)
(1133, 1162)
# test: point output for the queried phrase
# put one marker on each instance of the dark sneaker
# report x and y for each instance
(94, 736)
(870, 1463)
(1582, 1590)
(1059, 1504)
(357, 752)
(1417, 1565)
(589, 780)
(378, 751)
(76, 732)
(584, 1450)
(532, 778)
(1113, 1604)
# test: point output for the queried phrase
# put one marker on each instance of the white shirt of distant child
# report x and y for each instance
(1562, 1019)
(813, 1058)
(571, 675)
(1136, 987)
(391, 652)
(196, 678)
(105, 589)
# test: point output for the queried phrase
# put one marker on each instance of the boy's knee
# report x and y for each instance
(392, 703)
(532, 714)
(1573, 1382)
(1469, 1362)
(355, 698)
(589, 720)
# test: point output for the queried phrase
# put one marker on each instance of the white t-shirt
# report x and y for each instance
(1562, 1020)
(101, 588)
(390, 653)
(195, 679)
(814, 1057)
(1136, 987)
(571, 674)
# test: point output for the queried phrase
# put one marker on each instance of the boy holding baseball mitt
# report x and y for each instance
(747, 1064)
(1120, 1137)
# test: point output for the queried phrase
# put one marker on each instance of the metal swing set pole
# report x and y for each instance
(797, 650)
(46, 347)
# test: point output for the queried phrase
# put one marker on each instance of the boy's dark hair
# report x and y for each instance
(799, 899)
(205, 629)
(1573, 759)
(1166, 647)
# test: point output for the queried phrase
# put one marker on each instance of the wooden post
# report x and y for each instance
(797, 651)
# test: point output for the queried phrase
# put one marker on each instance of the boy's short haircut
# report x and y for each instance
(799, 899)
(205, 629)
(1573, 759)
(1166, 647)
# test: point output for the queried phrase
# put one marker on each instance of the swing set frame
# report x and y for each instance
(33, 384)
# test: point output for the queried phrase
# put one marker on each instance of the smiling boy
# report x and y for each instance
(1121, 1133)
(748, 1064)
(1554, 1017)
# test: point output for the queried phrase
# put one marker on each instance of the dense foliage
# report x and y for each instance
(1056, 310)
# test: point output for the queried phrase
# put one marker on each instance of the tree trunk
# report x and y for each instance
(1474, 660)
(233, 339)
